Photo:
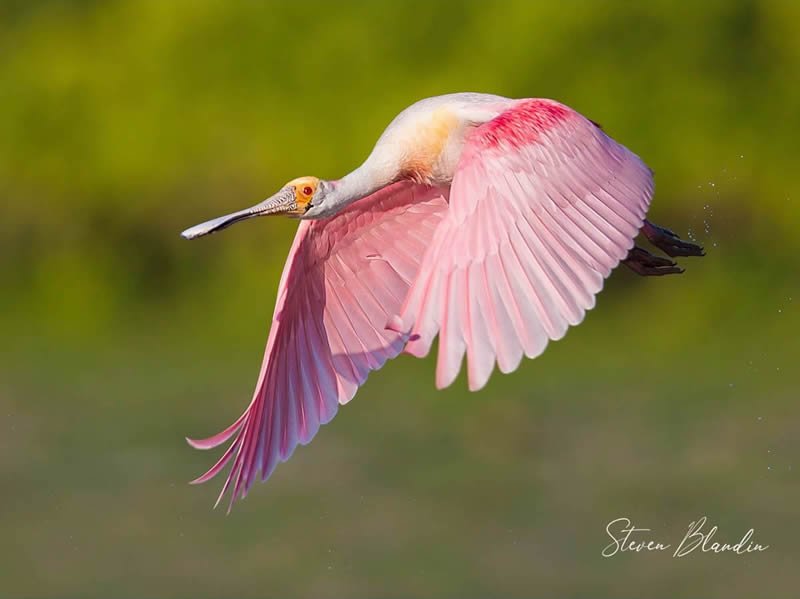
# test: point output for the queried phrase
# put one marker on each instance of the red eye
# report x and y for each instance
(307, 190)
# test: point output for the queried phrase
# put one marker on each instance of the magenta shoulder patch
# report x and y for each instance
(521, 124)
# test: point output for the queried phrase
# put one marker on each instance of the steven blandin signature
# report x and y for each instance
(625, 537)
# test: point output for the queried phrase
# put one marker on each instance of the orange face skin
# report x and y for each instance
(304, 190)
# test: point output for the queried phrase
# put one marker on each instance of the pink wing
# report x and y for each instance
(343, 278)
(543, 206)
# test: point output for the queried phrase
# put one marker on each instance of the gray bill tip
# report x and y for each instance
(214, 225)
(192, 232)
(200, 230)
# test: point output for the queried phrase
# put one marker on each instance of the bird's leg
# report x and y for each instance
(644, 263)
(669, 243)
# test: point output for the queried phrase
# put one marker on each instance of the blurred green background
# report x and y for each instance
(122, 123)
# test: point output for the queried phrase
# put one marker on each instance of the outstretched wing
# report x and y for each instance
(344, 277)
(543, 206)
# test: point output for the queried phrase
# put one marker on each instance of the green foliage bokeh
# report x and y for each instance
(122, 123)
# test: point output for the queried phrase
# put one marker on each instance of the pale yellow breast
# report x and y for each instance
(428, 140)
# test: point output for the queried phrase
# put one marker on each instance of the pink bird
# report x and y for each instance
(489, 221)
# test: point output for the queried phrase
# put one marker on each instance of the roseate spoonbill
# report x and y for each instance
(490, 221)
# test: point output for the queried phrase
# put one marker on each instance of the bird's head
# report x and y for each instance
(299, 198)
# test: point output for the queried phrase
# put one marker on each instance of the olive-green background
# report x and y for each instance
(122, 123)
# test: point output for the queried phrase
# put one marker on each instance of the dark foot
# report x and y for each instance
(669, 243)
(646, 264)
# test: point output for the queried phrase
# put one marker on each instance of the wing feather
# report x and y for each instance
(543, 206)
(344, 277)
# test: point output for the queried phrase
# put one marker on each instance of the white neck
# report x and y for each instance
(363, 181)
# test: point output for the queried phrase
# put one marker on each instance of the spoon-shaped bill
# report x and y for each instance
(283, 202)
